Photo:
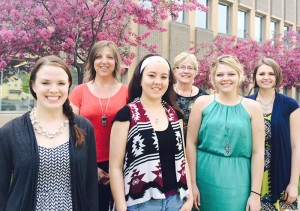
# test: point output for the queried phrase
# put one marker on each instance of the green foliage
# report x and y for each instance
(25, 85)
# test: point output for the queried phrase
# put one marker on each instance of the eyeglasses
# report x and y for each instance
(189, 68)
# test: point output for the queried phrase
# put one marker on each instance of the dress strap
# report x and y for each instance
(241, 99)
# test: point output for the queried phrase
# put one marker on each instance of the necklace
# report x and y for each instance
(42, 131)
(227, 145)
(183, 96)
(156, 119)
(104, 117)
(267, 106)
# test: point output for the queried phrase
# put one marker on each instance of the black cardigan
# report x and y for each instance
(19, 163)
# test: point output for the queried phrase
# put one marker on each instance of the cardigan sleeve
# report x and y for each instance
(92, 175)
(292, 105)
(5, 164)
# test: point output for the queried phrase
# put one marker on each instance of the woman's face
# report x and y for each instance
(185, 73)
(155, 80)
(226, 79)
(265, 77)
(105, 62)
(51, 86)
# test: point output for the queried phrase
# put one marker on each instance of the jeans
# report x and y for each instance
(171, 203)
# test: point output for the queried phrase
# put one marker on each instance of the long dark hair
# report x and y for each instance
(135, 89)
(67, 109)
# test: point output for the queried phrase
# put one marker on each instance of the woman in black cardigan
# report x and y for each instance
(47, 156)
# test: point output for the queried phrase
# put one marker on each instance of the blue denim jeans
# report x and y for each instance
(171, 203)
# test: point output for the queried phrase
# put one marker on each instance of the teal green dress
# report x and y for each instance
(223, 157)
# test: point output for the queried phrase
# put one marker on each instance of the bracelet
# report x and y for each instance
(256, 193)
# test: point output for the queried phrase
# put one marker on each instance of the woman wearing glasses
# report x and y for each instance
(185, 67)
(225, 144)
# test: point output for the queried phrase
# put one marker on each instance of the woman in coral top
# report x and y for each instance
(99, 99)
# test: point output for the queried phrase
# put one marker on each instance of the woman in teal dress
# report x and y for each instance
(225, 144)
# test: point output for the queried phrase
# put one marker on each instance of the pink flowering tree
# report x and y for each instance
(285, 51)
(70, 27)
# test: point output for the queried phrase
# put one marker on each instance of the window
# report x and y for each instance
(181, 14)
(258, 28)
(286, 30)
(298, 95)
(223, 18)
(202, 17)
(242, 24)
(285, 90)
(273, 29)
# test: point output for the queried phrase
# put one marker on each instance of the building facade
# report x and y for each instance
(258, 20)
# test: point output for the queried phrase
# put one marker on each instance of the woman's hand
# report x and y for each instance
(103, 177)
(291, 194)
(196, 197)
(253, 203)
(188, 205)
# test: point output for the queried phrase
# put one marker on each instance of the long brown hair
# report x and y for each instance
(98, 46)
(276, 68)
(67, 109)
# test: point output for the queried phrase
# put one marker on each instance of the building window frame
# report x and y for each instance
(202, 15)
(227, 7)
(243, 33)
(259, 28)
(286, 30)
(181, 14)
(298, 95)
(273, 30)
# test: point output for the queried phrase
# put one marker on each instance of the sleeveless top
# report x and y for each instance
(54, 179)
(142, 167)
(226, 130)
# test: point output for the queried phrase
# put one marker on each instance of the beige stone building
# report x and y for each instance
(247, 19)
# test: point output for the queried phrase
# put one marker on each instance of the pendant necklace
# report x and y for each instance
(104, 117)
(227, 145)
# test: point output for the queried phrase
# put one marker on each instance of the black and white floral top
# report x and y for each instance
(186, 103)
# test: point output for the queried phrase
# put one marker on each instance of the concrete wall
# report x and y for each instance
(246, 2)
(179, 39)
(290, 10)
(276, 8)
(262, 6)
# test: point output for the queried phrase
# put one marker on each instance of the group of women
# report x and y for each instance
(159, 144)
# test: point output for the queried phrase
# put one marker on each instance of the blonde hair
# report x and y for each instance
(185, 57)
(230, 61)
